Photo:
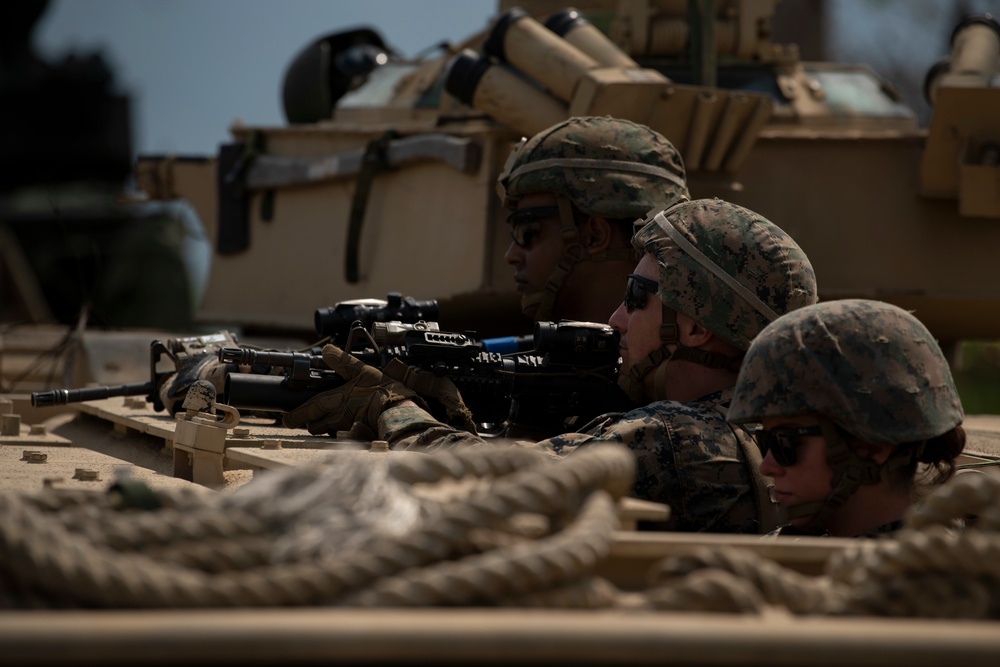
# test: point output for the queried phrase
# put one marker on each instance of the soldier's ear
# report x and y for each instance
(596, 234)
(878, 452)
(693, 334)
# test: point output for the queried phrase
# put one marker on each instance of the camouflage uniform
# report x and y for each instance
(886, 530)
(686, 457)
(868, 369)
(602, 166)
(733, 271)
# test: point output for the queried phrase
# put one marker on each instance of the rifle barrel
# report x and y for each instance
(41, 399)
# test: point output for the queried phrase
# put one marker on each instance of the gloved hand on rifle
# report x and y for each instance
(368, 392)
(199, 367)
(441, 392)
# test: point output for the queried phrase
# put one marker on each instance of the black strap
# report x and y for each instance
(234, 162)
(373, 161)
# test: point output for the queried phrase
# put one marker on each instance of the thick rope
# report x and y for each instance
(359, 535)
(247, 549)
(928, 570)
(519, 570)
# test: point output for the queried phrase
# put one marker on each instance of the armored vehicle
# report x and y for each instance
(132, 534)
(384, 175)
(383, 179)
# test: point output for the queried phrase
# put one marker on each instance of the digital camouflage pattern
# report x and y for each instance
(884, 531)
(869, 366)
(608, 167)
(747, 247)
(687, 457)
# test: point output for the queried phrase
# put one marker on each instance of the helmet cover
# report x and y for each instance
(608, 167)
(726, 267)
(870, 367)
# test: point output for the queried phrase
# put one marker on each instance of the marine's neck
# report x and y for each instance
(870, 506)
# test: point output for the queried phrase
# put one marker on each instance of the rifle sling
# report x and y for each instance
(767, 508)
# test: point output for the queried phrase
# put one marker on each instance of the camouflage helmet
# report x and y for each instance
(726, 267)
(609, 167)
(870, 367)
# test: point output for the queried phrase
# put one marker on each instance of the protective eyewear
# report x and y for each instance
(526, 223)
(782, 441)
(636, 289)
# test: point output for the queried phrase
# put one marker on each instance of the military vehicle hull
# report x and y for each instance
(884, 209)
(81, 452)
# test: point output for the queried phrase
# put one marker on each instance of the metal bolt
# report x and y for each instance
(37, 429)
(241, 432)
(33, 456)
(87, 475)
(380, 446)
(135, 403)
(271, 444)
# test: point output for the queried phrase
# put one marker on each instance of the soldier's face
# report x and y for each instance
(640, 328)
(808, 479)
(537, 245)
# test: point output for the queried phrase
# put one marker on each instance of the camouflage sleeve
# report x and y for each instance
(412, 428)
(686, 457)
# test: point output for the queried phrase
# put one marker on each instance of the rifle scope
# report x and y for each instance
(335, 322)
(569, 337)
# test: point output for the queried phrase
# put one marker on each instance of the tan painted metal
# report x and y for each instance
(482, 636)
(108, 437)
(884, 209)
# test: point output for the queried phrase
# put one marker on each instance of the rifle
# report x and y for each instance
(176, 349)
(569, 378)
(333, 323)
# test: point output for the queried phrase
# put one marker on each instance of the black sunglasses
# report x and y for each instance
(525, 223)
(781, 442)
(636, 288)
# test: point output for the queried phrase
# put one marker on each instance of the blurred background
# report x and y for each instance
(192, 67)
(172, 76)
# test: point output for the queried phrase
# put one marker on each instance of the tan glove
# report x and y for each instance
(363, 397)
(440, 390)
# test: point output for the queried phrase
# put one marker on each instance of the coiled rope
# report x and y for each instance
(527, 532)
(358, 532)
(942, 564)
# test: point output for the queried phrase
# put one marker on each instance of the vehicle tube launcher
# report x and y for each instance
(962, 156)
(715, 129)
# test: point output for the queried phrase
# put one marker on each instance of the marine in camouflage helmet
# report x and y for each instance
(724, 266)
(870, 370)
(597, 166)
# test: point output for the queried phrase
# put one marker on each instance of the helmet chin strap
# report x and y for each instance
(849, 472)
(656, 361)
(573, 253)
